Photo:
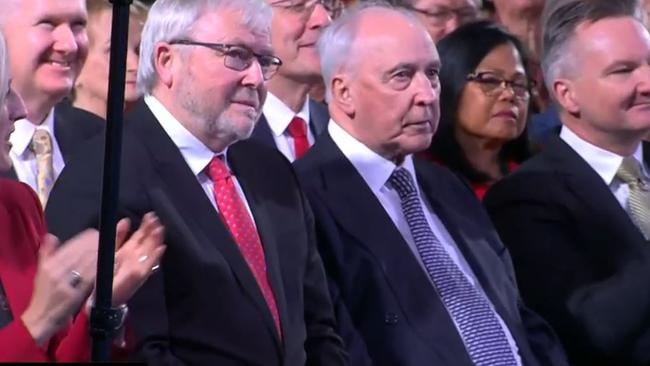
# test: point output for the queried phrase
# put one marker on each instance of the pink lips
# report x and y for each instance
(506, 114)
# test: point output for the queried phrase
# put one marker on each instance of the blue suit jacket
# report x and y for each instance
(388, 312)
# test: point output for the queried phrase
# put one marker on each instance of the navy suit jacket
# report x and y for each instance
(318, 121)
(580, 261)
(388, 311)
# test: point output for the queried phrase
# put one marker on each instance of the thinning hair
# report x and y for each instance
(169, 20)
(335, 43)
(561, 18)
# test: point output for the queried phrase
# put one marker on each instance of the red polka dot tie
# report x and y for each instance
(239, 223)
(297, 129)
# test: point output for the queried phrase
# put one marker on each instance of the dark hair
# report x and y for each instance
(461, 51)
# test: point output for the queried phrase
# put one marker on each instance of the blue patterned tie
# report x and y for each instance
(479, 327)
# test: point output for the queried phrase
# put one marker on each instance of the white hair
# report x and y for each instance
(173, 19)
(4, 69)
(335, 43)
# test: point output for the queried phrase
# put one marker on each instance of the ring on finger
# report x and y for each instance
(75, 279)
(143, 258)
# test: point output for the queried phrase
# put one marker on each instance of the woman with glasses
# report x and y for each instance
(484, 104)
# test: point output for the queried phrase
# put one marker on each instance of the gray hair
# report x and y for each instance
(335, 43)
(4, 69)
(560, 19)
(173, 19)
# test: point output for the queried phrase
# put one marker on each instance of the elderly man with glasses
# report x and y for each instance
(243, 283)
(441, 17)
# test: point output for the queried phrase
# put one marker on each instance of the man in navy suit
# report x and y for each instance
(576, 218)
(417, 273)
(291, 121)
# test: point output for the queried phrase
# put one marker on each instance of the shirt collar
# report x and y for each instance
(195, 153)
(21, 138)
(373, 168)
(279, 115)
(605, 163)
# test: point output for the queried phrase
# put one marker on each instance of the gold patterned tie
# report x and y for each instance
(42, 148)
(639, 200)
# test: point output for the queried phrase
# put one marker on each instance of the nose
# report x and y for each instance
(506, 92)
(16, 107)
(132, 60)
(65, 39)
(453, 23)
(319, 17)
(643, 85)
(253, 76)
(426, 93)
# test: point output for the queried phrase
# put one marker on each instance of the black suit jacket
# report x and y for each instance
(204, 307)
(72, 126)
(387, 308)
(318, 116)
(580, 261)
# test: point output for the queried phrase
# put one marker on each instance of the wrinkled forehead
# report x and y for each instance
(63, 10)
(611, 40)
(392, 37)
(232, 27)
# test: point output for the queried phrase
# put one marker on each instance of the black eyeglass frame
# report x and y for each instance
(268, 68)
(504, 83)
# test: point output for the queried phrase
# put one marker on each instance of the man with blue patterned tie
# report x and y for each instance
(417, 273)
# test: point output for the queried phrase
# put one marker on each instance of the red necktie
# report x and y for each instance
(298, 131)
(236, 216)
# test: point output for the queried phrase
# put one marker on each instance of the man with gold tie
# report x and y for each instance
(576, 217)
(48, 45)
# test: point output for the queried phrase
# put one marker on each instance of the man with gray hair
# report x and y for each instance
(417, 274)
(576, 218)
(243, 283)
(48, 45)
(441, 17)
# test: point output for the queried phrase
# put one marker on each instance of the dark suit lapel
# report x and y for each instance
(592, 191)
(358, 212)
(73, 126)
(318, 117)
(473, 243)
(262, 132)
(183, 190)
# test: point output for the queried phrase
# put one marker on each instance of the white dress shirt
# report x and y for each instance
(376, 171)
(605, 163)
(22, 155)
(196, 154)
(279, 116)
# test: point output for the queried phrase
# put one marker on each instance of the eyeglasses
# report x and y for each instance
(493, 84)
(442, 15)
(304, 7)
(238, 57)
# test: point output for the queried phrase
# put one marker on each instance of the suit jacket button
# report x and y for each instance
(391, 318)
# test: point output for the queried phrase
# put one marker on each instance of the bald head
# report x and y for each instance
(356, 29)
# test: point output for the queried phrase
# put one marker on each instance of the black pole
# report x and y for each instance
(102, 317)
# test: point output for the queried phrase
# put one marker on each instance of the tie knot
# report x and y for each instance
(217, 169)
(630, 171)
(41, 142)
(402, 182)
(297, 127)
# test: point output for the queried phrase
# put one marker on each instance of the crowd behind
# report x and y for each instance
(332, 182)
